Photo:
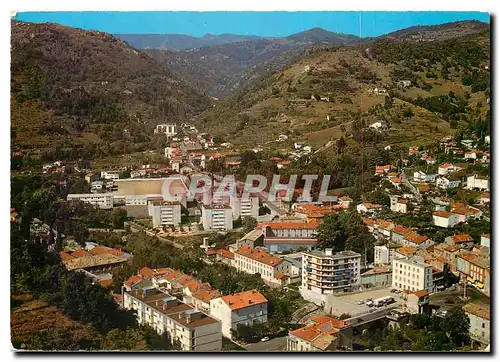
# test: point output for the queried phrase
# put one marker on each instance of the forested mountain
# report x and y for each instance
(72, 87)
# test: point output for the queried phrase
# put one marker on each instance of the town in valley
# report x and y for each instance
(113, 250)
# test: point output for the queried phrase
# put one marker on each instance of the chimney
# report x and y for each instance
(188, 318)
(328, 251)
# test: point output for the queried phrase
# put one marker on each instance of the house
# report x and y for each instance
(446, 183)
(476, 183)
(379, 126)
(245, 308)
(479, 318)
(192, 329)
(376, 277)
(475, 267)
(399, 205)
(462, 240)
(225, 256)
(282, 137)
(447, 168)
(405, 251)
(444, 219)
(168, 129)
(429, 160)
(368, 208)
(420, 176)
(471, 155)
(396, 182)
(202, 297)
(412, 274)
(384, 169)
(485, 241)
(415, 301)
(416, 240)
(91, 177)
(487, 140)
(258, 261)
(324, 334)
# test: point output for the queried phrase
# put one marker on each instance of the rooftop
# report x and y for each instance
(259, 255)
(337, 255)
(93, 261)
(244, 299)
(478, 309)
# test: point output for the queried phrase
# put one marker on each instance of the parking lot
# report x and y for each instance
(349, 303)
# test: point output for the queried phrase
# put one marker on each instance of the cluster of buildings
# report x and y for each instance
(95, 261)
(189, 311)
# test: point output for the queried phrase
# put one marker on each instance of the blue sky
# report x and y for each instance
(272, 24)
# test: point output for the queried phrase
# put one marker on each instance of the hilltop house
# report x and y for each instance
(379, 126)
(474, 182)
(420, 176)
(447, 183)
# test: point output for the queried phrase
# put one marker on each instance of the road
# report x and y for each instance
(369, 317)
(277, 344)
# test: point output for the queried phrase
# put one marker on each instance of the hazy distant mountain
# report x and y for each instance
(180, 41)
(319, 35)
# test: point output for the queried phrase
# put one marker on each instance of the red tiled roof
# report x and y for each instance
(225, 253)
(442, 213)
(258, 255)
(133, 280)
(104, 250)
(65, 256)
(80, 253)
(146, 272)
(462, 238)
(244, 299)
(291, 225)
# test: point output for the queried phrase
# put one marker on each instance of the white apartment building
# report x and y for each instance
(411, 274)
(479, 317)
(447, 168)
(217, 217)
(168, 129)
(194, 330)
(474, 182)
(164, 213)
(111, 175)
(253, 261)
(103, 201)
(245, 207)
(326, 272)
(246, 308)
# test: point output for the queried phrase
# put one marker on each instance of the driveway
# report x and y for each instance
(277, 344)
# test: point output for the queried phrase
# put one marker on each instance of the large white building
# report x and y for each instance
(246, 308)
(474, 182)
(252, 261)
(165, 213)
(111, 175)
(385, 253)
(216, 217)
(168, 129)
(194, 330)
(411, 274)
(479, 317)
(103, 201)
(245, 207)
(326, 272)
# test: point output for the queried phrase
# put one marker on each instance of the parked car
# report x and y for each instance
(394, 290)
(265, 339)
(360, 302)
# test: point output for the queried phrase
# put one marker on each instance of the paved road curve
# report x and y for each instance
(274, 345)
